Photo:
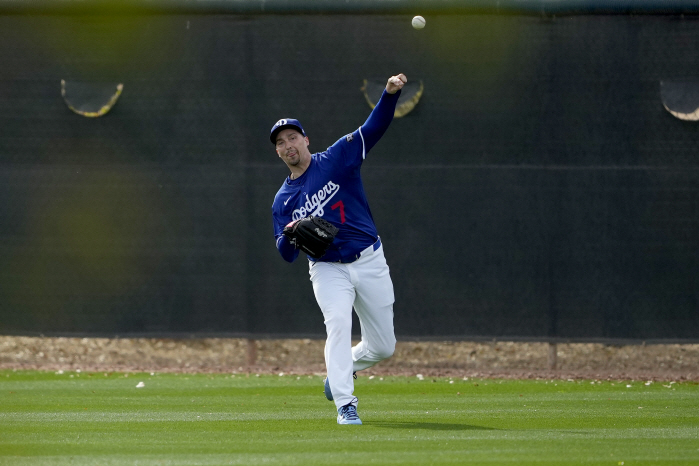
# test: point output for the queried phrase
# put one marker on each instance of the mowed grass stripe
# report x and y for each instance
(107, 417)
(48, 418)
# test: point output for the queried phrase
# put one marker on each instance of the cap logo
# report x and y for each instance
(281, 122)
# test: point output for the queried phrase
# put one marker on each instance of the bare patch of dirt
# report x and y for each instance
(303, 356)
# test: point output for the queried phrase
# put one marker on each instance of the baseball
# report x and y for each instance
(418, 22)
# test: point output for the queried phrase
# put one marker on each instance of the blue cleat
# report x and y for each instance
(348, 415)
(326, 387)
(328, 393)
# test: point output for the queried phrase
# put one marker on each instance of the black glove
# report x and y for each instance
(312, 235)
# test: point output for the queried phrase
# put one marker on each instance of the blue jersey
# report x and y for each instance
(331, 188)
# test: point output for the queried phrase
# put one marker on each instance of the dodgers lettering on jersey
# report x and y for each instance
(331, 188)
(315, 205)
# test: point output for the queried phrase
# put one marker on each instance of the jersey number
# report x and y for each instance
(341, 206)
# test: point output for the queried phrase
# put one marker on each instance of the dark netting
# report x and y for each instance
(539, 189)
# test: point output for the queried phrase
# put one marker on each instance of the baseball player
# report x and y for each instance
(322, 209)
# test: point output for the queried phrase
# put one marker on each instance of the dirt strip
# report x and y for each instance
(304, 356)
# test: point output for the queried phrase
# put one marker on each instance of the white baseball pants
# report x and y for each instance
(366, 285)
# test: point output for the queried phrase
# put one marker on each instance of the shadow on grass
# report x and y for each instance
(427, 425)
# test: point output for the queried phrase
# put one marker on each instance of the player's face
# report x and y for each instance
(292, 146)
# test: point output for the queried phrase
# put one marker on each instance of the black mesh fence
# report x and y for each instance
(539, 189)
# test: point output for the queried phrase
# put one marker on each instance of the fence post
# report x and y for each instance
(252, 352)
(553, 355)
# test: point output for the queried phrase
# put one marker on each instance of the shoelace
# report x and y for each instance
(349, 412)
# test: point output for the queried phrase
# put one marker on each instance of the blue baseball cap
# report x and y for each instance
(285, 123)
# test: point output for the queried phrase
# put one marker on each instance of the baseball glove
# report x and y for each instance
(312, 235)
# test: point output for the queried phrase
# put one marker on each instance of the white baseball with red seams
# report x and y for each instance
(418, 22)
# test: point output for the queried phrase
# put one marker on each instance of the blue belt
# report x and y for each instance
(354, 257)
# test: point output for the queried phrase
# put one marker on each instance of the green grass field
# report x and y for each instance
(84, 418)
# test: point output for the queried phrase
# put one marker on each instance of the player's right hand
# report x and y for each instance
(396, 83)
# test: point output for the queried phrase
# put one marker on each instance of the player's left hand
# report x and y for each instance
(312, 235)
(396, 83)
